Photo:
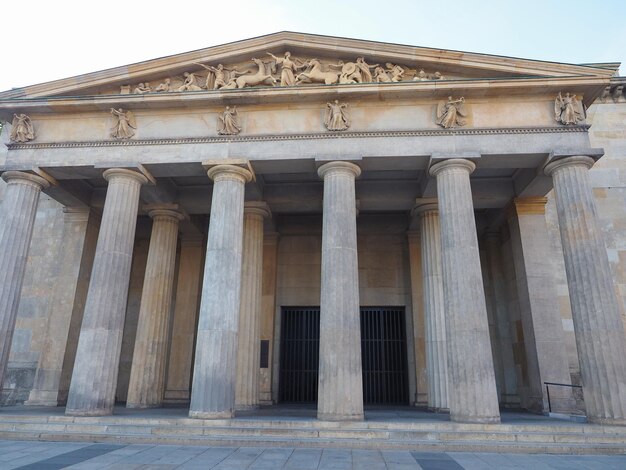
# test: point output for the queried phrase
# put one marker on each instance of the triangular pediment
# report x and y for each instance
(318, 60)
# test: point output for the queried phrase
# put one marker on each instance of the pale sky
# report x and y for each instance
(48, 40)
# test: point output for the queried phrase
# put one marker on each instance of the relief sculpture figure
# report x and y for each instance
(568, 110)
(397, 72)
(219, 77)
(357, 72)
(261, 77)
(228, 122)
(382, 75)
(336, 117)
(142, 88)
(190, 83)
(315, 74)
(164, 87)
(125, 124)
(288, 68)
(21, 128)
(451, 113)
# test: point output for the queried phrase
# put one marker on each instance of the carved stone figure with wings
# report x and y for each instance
(125, 125)
(451, 113)
(21, 129)
(568, 110)
(336, 117)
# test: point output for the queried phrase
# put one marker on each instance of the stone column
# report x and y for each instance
(472, 395)
(147, 373)
(94, 379)
(595, 309)
(434, 312)
(16, 230)
(213, 389)
(45, 391)
(508, 394)
(184, 324)
(248, 342)
(340, 389)
(544, 339)
(268, 312)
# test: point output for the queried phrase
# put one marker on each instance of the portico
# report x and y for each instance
(226, 207)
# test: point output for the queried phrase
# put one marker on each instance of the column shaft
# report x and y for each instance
(147, 375)
(434, 311)
(248, 344)
(595, 309)
(16, 230)
(94, 379)
(185, 318)
(472, 393)
(213, 389)
(340, 389)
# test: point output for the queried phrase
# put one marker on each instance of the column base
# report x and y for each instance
(607, 421)
(474, 419)
(438, 410)
(42, 398)
(336, 417)
(211, 414)
(246, 407)
(95, 412)
(143, 406)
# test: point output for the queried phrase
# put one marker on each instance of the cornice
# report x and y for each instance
(311, 136)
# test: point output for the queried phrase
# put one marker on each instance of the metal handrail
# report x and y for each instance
(560, 385)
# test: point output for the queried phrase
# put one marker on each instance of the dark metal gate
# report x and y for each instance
(383, 350)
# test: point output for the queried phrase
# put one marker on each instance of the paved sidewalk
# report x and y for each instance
(57, 455)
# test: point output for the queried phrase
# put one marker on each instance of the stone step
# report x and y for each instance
(359, 443)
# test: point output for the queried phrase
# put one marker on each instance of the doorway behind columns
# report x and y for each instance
(383, 353)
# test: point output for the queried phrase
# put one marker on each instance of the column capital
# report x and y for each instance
(123, 173)
(339, 167)
(25, 178)
(453, 164)
(166, 210)
(229, 172)
(259, 208)
(574, 160)
(424, 208)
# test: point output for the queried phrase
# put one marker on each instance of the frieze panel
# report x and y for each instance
(283, 70)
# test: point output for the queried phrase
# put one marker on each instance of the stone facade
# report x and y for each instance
(350, 237)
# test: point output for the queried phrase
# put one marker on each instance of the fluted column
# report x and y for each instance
(472, 395)
(94, 379)
(147, 374)
(434, 311)
(340, 389)
(248, 344)
(595, 309)
(213, 389)
(17, 220)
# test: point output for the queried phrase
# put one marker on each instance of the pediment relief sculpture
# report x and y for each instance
(22, 129)
(568, 109)
(125, 125)
(228, 122)
(451, 113)
(336, 117)
(283, 70)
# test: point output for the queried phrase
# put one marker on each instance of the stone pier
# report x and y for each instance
(340, 389)
(472, 395)
(94, 379)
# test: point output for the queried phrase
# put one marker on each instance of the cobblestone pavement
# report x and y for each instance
(57, 455)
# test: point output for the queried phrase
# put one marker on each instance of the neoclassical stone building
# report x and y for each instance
(306, 219)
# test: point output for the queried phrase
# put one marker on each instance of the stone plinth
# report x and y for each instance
(147, 375)
(472, 395)
(213, 389)
(248, 343)
(16, 230)
(94, 379)
(340, 389)
(595, 309)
